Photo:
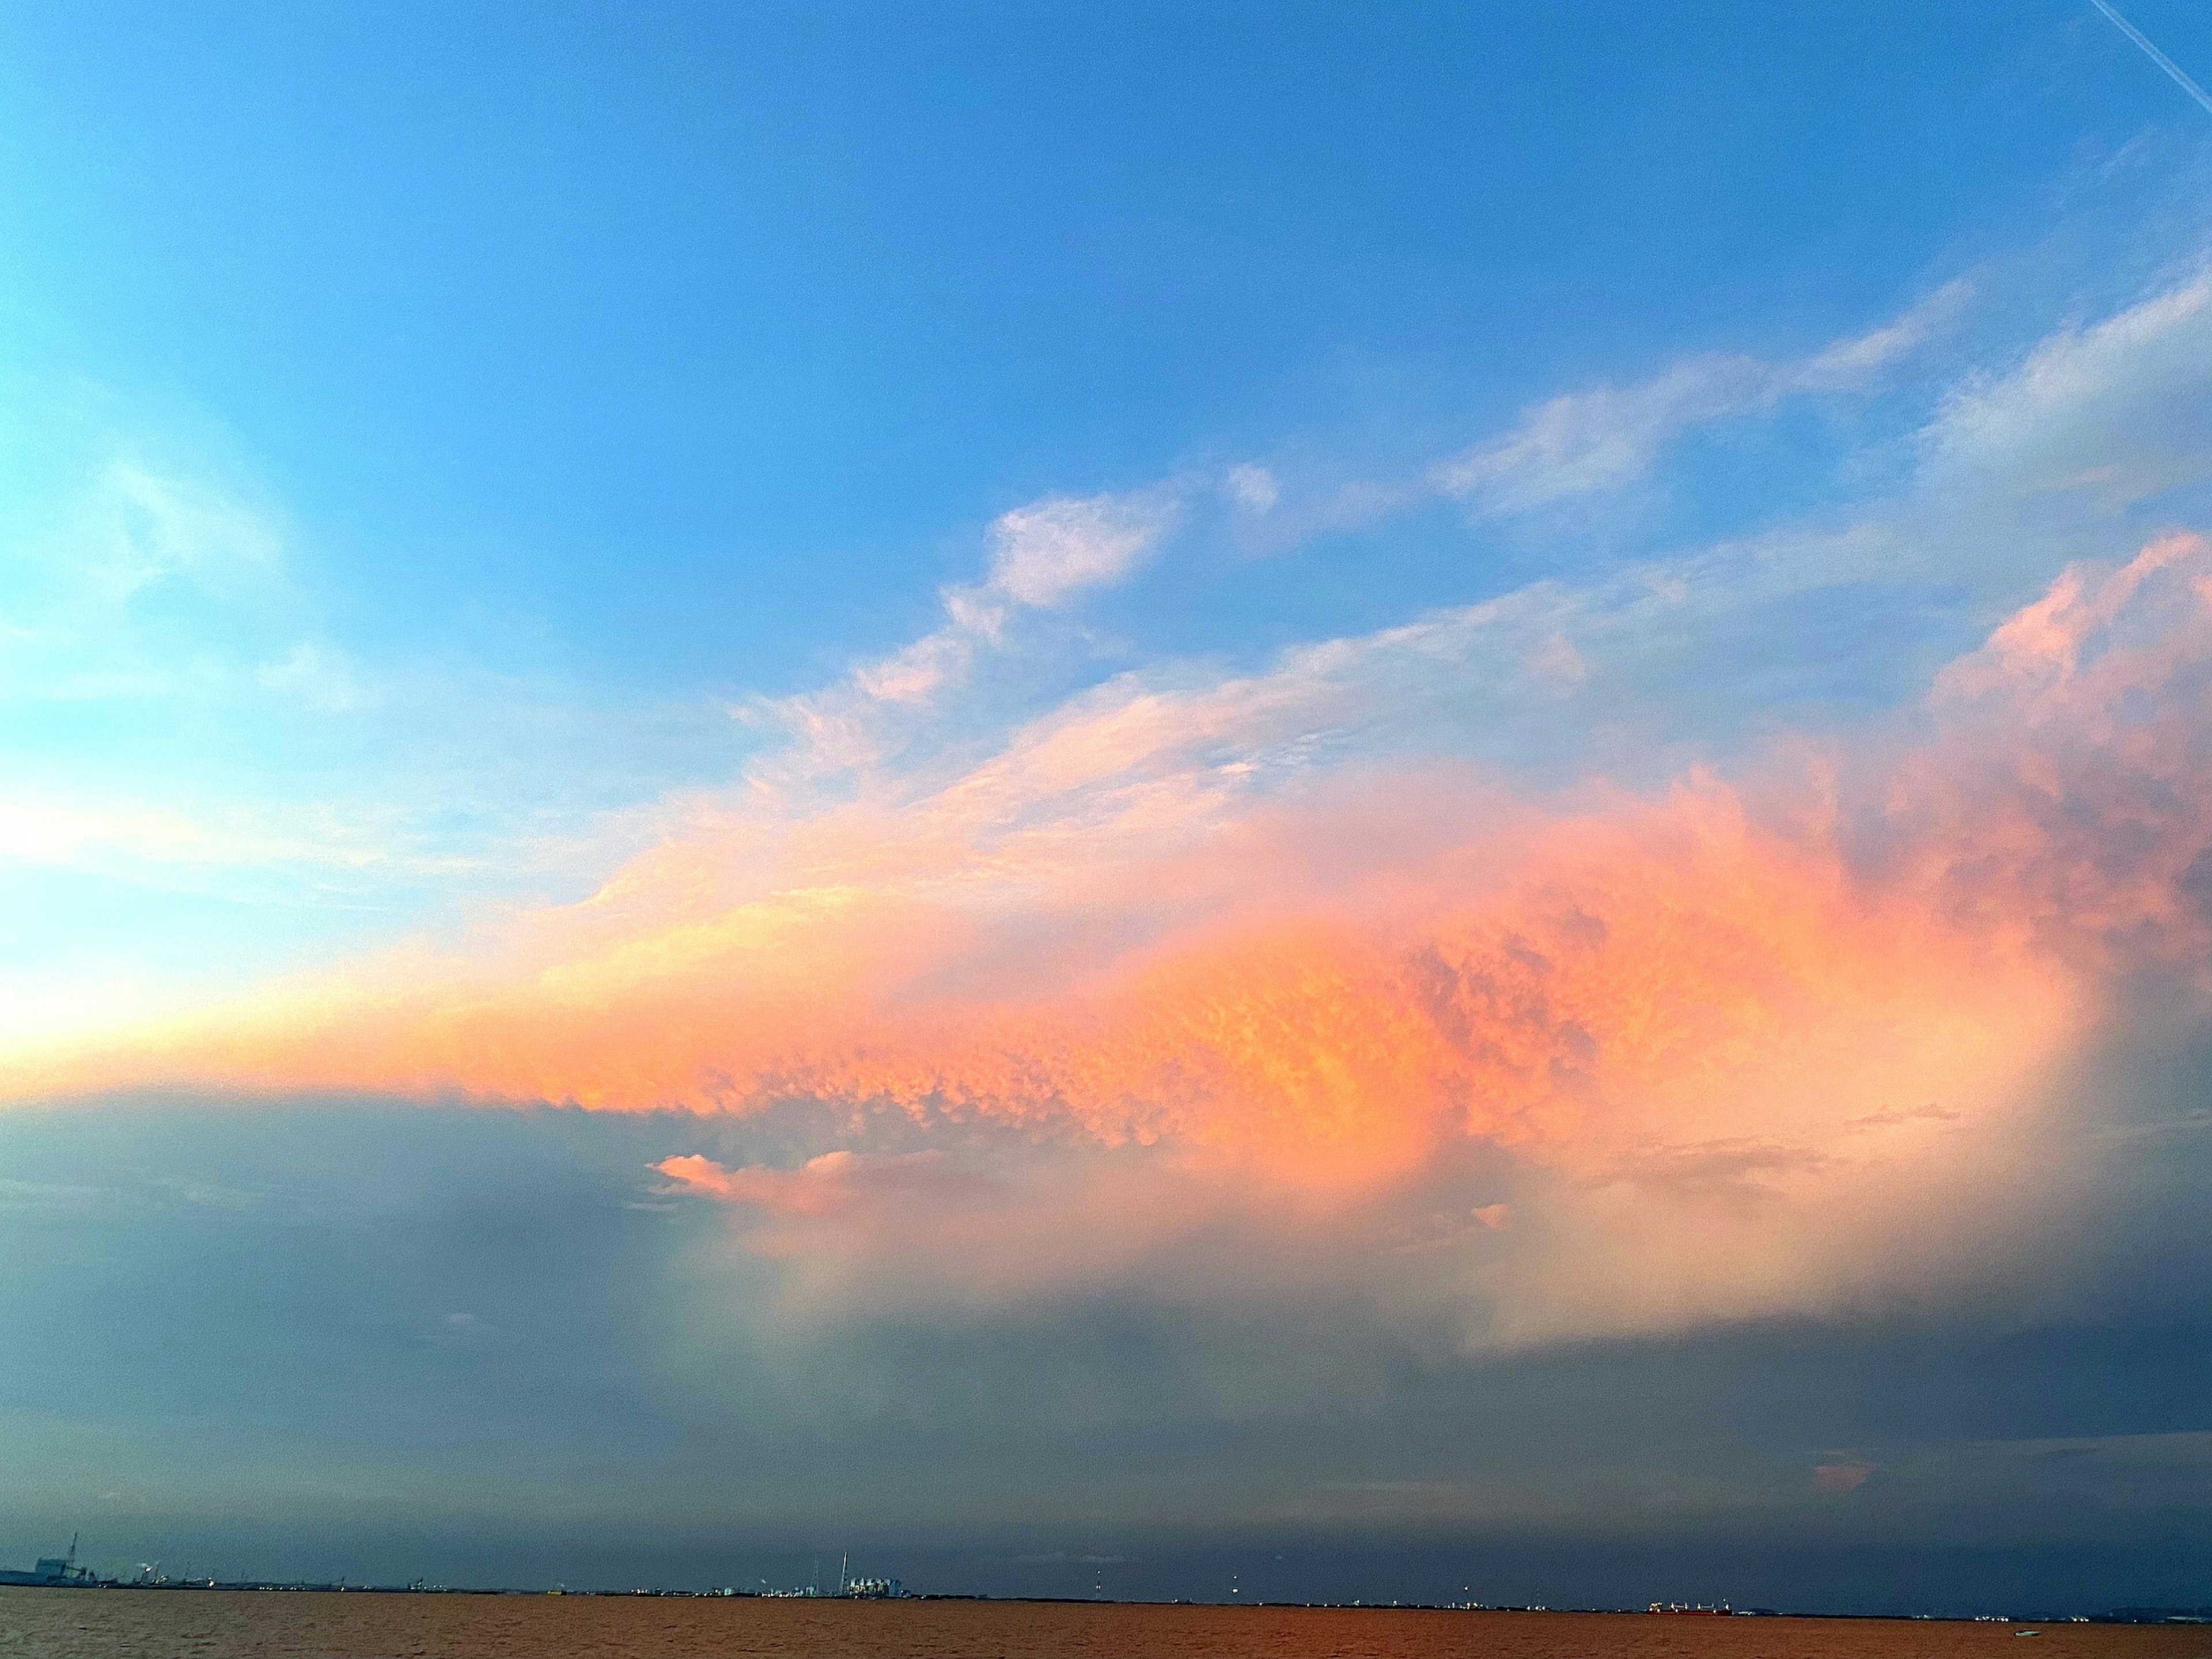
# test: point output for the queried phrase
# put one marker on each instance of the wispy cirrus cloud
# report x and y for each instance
(2112, 411)
(1046, 555)
(1043, 555)
(1585, 443)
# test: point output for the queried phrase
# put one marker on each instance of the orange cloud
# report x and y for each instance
(1827, 979)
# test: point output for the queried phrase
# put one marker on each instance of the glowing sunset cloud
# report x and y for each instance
(1279, 954)
(1108, 801)
(1859, 963)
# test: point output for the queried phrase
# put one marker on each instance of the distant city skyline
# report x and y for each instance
(2033, 1604)
(1414, 804)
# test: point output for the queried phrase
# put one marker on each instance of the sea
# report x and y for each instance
(63, 1624)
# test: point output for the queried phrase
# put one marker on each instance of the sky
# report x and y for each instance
(1122, 798)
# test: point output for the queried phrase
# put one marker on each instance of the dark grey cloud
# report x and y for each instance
(395, 1340)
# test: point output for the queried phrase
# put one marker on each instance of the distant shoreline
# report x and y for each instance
(2144, 1616)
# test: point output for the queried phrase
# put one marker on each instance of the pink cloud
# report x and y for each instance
(835, 1183)
(1840, 1477)
(1688, 1019)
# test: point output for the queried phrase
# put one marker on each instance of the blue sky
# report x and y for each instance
(781, 572)
(699, 352)
(609, 374)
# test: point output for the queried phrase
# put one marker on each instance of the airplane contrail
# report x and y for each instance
(2180, 79)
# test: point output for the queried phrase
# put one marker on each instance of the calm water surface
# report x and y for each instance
(224, 1624)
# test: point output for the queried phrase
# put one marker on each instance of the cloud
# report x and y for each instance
(460, 1331)
(1044, 554)
(1678, 1018)
(924, 1231)
(833, 1184)
(1252, 486)
(1584, 443)
(184, 723)
(2114, 410)
(1854, 363)
(1313, 949)
(1890, 1117)
(55, 1200)
(1840, 1477)
(156, 528)
(113, 600)
(913, 672)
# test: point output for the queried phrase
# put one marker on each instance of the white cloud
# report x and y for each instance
(1044, 554)
(1252, 486)
(1852, 363)
(1583, 443)
(1636, 672)
(2119, 409)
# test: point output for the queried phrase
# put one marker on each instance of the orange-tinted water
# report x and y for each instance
(226, 1625)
